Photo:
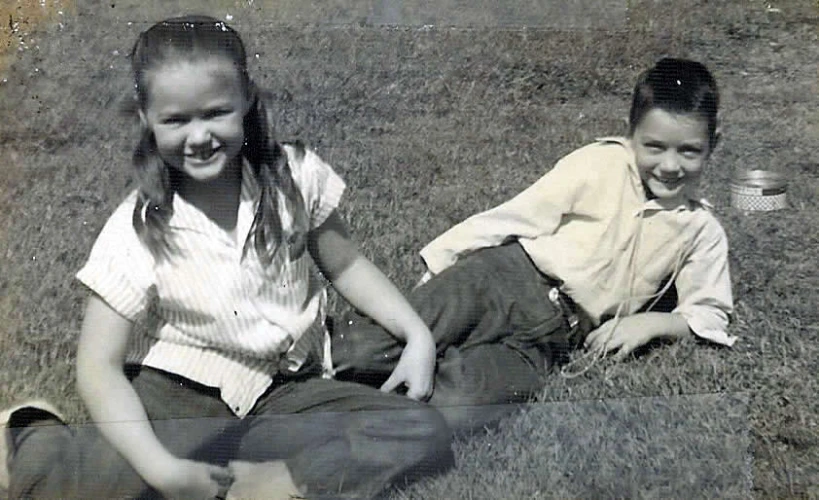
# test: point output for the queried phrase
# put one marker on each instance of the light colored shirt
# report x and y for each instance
(589, 223)
(222, 318)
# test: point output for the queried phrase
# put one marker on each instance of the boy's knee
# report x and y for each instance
(358, 343)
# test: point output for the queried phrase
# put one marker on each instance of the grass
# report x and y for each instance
(431, 124)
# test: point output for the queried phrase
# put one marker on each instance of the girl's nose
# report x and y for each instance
(199, 135)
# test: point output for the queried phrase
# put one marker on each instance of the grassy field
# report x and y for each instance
(429, 123)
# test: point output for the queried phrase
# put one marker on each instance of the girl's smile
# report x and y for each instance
(195, 110)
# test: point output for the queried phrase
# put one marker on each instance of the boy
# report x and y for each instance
(575, 255)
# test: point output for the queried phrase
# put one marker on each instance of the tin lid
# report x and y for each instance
(762, 179)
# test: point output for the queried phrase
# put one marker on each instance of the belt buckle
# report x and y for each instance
(554, 296)
(572, 318)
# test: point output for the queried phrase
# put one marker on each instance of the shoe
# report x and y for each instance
(20, 416)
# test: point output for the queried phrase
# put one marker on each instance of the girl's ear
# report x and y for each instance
(717, 136)
(251, 96)
(250, 102)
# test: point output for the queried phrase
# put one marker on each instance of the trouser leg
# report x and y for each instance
(346, 440)
(58, 461)
(492, 322)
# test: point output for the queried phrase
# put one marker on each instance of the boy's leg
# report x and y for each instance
(346, 440)
(492, 321)
(58, 461)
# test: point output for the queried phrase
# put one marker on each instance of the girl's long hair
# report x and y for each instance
(197, 38)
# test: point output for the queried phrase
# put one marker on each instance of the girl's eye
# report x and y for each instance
(217, 113)
(654, 148)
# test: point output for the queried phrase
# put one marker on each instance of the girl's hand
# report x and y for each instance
(626, 334)
(415, 369)
(188, 479)
(368, 290)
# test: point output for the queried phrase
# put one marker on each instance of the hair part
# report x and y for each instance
(195, 38)
(677, 86)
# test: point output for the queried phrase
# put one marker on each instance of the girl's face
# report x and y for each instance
(671, 150)
(195, 110)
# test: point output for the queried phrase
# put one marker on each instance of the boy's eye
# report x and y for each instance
(173, 120)
(654, 147)
(691, 152)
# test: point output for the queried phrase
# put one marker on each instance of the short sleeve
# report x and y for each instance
(320, 185)
(120, 268)
(704, 285)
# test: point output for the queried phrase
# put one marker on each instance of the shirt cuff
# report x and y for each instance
(436, 260)
(701, 329)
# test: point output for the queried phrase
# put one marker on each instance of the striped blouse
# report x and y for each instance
(222, 319)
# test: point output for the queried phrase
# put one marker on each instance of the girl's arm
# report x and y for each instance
(117, 410)
(367, 289)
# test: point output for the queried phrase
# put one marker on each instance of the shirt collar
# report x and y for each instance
(187, 216)
(691, 201)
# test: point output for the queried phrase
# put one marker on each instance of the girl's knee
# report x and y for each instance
(419, 436)
(424, 424)
(433, 437)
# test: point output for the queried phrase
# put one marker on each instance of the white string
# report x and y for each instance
(598, 355)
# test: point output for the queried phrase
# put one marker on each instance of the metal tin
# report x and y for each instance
(759, 190)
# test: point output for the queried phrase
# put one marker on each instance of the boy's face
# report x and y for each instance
(671, 151)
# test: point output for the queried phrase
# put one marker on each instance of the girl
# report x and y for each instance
(217, 243)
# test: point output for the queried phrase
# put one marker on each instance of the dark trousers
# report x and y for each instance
(497, 333)
(338, 439)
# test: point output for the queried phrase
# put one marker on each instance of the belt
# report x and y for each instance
(567, 305)
(578, 322)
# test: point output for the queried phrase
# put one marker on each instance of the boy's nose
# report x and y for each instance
(669, 164)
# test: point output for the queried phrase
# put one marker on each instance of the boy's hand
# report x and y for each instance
(415, 369)
(626, 334)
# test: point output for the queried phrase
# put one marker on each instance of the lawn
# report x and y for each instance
(445, 113)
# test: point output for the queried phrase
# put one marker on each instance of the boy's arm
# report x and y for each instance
(624, 335)
(367, 289)
(534, 212)
(705, 303)
(704, 286)
(117, 410)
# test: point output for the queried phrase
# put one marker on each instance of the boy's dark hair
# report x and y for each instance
(194, 38)
(676, 86)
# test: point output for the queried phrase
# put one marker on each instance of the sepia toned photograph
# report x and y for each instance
(409, 250)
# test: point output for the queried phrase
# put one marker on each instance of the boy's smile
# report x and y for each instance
(671, 150)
